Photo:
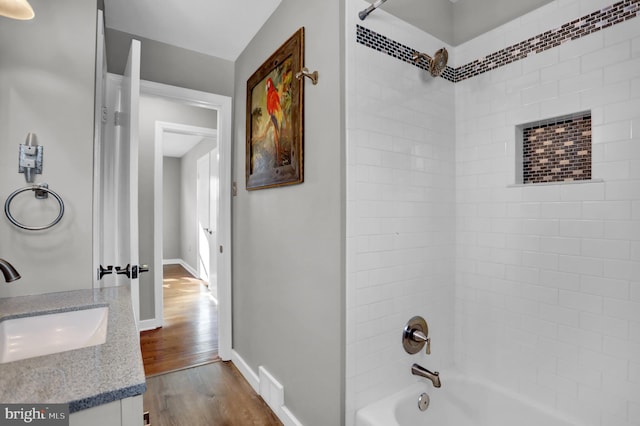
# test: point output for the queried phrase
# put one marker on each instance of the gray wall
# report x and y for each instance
(288, 312)
(151, 110)
(171, 217)
(47, 87)
(164, 63)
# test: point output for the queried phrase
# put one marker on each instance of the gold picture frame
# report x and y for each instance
(275, 128)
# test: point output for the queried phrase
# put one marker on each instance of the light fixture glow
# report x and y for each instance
(16, 9)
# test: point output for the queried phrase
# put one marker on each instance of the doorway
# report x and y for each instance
(184, 240)
(220, 253)
(187, 204)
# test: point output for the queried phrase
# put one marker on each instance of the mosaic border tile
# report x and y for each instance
(588, 24)
(399, 51)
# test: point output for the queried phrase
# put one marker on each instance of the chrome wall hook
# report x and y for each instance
(311, 75)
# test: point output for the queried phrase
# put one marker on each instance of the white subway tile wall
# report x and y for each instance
(535, 287)
(401, 213)
(574, 246)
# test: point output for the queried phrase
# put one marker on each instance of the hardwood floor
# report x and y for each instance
(190, 333)
(209, 395)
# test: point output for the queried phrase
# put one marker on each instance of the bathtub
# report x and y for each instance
(459, 402)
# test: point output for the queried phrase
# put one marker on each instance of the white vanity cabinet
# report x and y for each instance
(125, 412)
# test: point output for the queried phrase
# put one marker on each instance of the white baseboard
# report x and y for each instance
(246, 371)
(271, 391)
(287, 417)
(182, 263)
(150, 324)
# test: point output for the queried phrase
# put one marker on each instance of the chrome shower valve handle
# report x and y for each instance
(419, 336)
(415, 335)
(428, 341)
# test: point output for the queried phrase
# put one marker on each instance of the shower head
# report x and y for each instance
(363, 14)
(437, 64)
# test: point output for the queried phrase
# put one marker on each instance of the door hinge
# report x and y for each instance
(117, 118)
(221, 249)
(105, 113)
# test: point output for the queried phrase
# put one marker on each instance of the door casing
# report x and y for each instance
(223, 105)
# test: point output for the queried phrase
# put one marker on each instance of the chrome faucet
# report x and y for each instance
(9, 272)
(417, 370)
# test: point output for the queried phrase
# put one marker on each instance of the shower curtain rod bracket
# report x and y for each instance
(364, 13)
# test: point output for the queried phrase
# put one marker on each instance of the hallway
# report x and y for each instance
(190, 333)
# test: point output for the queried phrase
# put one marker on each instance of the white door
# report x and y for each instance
(204, 229)
(99, 213)
(207, 200)
(128, 121)
(214, 210)
(116, 183)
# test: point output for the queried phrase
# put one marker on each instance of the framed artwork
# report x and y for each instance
(275, 129)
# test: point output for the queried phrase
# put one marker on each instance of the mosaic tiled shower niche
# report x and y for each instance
(555, 150)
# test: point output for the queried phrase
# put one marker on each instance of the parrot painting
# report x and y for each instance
(275, 113)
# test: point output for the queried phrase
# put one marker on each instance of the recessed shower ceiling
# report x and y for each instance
(221, 28)
(457, 21)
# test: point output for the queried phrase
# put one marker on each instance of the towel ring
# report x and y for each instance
(43, 190)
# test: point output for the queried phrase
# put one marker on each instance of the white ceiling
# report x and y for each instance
(221, 28)
(177, 145)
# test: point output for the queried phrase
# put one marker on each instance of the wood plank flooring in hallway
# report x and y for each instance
(187, 384)
(190, 333)
(214, 394)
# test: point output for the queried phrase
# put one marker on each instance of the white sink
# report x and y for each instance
(45, 334)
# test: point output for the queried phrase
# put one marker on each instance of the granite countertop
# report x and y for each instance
(85, 377)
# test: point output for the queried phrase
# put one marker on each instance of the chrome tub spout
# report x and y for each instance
(417, 370)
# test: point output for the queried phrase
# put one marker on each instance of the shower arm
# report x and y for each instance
(417, 55)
